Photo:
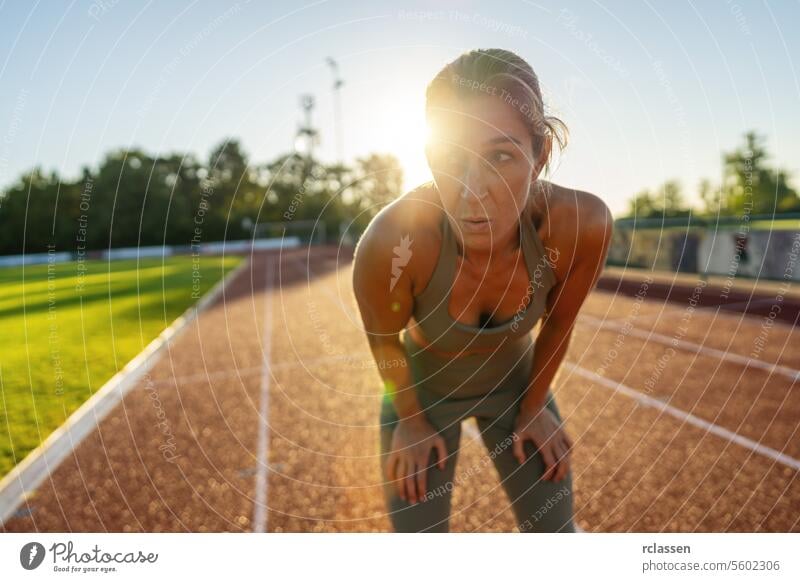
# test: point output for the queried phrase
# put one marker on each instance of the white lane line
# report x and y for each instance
(262, 455)
(649, 336)
(724, 433)
(716, 310)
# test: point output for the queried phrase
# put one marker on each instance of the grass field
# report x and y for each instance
(69, 327)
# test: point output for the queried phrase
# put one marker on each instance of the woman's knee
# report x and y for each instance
(430, 514)
(543, 505)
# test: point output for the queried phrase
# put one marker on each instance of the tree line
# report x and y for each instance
(748, 186)
(137, 199)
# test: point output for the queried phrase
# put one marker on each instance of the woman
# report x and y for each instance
(451, 278)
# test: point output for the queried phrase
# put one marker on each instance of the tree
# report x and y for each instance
(232, 192)
(179, 179)
(378, 181)
(28, 213)
(711, 197)
(673, 203)
(136, 199)
(750, 186)
(643, 205)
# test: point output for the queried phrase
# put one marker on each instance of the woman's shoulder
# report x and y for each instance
(575, 212)
(574, 223)
(405, 235)
(417, 213)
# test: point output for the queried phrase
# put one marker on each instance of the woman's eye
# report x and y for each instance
(500, 157)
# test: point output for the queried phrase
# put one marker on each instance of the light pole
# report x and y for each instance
(307, 136)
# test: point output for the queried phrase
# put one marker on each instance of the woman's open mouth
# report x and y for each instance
(475, 224)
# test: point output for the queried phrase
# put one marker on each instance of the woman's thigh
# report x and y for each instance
(539, 505)
(432, 512)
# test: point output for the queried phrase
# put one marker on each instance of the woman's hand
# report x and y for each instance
(548, 435)
(407, 464)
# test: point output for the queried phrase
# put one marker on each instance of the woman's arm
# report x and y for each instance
(386, 303)
(536, 422)
(593, 230)
(384, 294)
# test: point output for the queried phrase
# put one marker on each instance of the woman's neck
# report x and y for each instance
(539, 201)
(536, 211)
(498, 255)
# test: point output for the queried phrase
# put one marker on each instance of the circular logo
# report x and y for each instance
(31, 555)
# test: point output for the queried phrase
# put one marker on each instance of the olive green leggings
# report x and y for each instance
(539, 505)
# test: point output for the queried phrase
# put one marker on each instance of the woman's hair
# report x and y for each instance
(506, 75)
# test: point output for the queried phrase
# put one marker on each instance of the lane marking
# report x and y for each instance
(715, 429)
(715, 310)
(649, 336)
(262, 455)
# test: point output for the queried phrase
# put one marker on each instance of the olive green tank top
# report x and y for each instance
(506, 350)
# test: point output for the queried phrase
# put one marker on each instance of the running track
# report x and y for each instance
(684, 420)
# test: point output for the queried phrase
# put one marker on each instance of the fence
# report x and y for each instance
(209, 248)
(749, 246)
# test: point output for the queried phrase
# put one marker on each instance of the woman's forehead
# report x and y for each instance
(477, 121)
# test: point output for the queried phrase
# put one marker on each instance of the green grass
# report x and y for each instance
(65, 332)
(775, 225)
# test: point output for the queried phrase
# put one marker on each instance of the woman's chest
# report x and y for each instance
(490, 297)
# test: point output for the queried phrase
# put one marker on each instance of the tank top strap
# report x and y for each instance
(439, 284)
(537, 256)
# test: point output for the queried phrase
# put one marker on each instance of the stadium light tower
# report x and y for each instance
(307, 136)
(337, 108)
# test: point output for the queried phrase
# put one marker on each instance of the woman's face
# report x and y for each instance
(480, 155)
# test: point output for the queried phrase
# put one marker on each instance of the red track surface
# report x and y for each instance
(635, 467)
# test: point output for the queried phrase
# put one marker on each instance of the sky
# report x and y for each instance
(650, 91)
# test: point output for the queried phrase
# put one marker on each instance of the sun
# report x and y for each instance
(406, 135)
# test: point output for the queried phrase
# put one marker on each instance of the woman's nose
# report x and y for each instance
(474, 183)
